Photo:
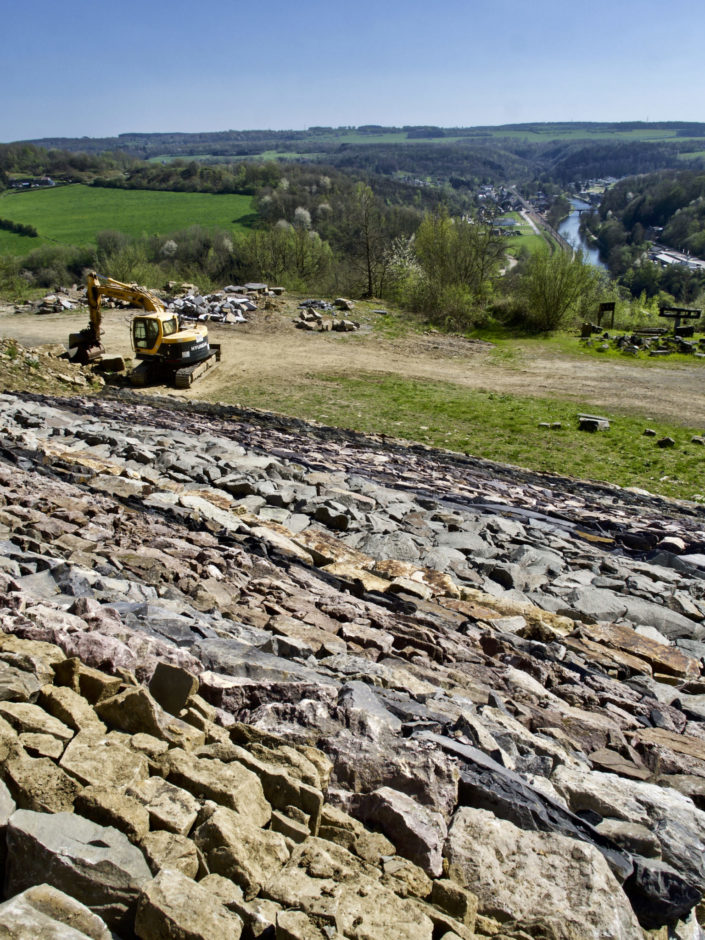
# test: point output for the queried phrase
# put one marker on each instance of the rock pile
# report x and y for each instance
(55, 303)
(320, 316)
(219, 307)
(233, 304)
(653, 342)
(265, 679)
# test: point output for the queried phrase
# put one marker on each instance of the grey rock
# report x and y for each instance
(417, 832)
(565, 885)
(94, 864)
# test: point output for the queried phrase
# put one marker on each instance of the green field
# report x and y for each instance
(73, 215)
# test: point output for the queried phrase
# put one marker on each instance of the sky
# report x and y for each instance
(95, 69)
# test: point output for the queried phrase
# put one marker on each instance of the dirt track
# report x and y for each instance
(271, 348)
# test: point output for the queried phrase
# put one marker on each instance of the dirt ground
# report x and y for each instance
(269, 347)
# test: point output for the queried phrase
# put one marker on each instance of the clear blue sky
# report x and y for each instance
(81, 68)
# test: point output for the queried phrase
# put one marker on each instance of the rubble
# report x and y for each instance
(655, 341)
(262, 678)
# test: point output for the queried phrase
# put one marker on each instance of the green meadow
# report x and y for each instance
(73, 215)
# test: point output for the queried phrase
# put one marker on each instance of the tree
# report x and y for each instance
(367, 239)
(554, 286)
(459, 252)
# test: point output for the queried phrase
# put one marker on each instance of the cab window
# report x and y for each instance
(146, 333)
(170, 326)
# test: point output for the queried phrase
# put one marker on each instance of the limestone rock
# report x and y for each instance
(104, 760)
(92, 684)
(38, 784)
(174, 907)
(564, 883)
(234, 847)
(172, 687)
(329, 884)
(94, 864)
(168, 807)
(231, 784)
(70, 708)
(339, 827)
(417, 831)
(110, 807)
(25, 717)
(134, 711)
(170, 850)
(673, 819)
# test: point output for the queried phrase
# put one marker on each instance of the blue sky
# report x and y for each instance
(94, 69)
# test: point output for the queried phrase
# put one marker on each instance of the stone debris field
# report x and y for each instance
(265, 679)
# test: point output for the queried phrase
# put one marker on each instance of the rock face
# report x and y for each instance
(424, 697)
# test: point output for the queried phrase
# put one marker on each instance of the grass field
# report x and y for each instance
(73, 215)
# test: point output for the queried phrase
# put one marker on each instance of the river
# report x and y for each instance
(570, 230)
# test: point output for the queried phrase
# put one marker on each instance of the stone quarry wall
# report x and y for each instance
(268, 680)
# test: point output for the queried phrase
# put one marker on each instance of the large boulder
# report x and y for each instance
(94, 864)
(174, 907)
(540, 880)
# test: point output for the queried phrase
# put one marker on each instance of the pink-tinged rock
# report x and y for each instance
(417, 831)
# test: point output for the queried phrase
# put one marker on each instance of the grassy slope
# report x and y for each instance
(496, 426)
(75, 214)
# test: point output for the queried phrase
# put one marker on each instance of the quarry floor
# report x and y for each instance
(270, 346)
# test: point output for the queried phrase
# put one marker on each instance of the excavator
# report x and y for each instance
(167, 352)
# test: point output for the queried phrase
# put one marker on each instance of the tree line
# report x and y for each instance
(18, 228)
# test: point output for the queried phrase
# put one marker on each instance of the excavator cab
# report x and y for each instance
(145, 333)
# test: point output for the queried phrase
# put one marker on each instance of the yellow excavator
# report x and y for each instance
(167, 352)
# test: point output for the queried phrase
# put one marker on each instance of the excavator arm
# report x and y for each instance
(98, 287)
(85, 346)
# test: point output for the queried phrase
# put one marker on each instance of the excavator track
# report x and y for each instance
(184, 378)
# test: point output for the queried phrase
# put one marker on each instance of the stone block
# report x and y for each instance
(135, 710)
(109, 807)
(417, 831)
(234, 847)
(169, 850)
(232, 784)
(38, 784)
(92, 684)
(47, 913)
(70, 708)
(168, 807)
(174, 907)
(104, 760)
(25, 717)
(172, 687)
